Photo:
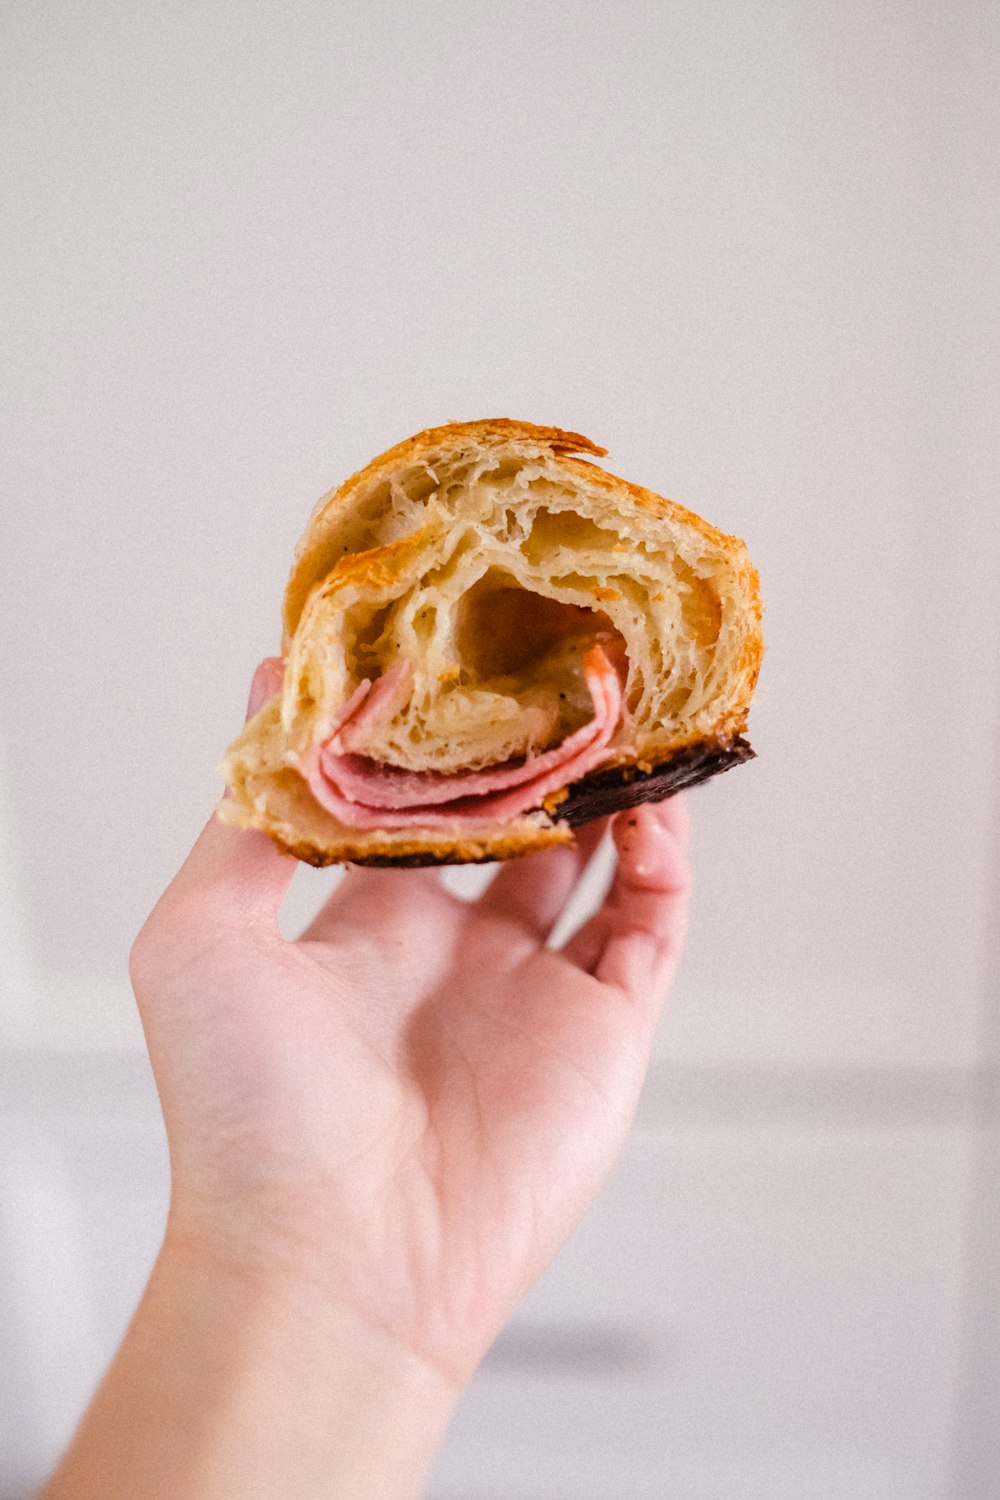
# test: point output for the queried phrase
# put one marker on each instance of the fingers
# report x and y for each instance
(531, 892)
(534, 890)
(634, 940)
(380, 899)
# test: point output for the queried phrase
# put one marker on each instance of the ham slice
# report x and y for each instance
(351, 722)
(364, 793)
(369, 703)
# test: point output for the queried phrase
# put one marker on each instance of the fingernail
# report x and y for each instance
(646, 844)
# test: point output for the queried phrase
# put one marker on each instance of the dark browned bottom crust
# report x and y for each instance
(606, 792)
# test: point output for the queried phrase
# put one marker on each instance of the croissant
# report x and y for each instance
(487, 641)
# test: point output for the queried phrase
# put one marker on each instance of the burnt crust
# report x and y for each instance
(606, 792)
(420, 861)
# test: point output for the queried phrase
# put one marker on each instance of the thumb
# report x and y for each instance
(237, 870)
(233, 872)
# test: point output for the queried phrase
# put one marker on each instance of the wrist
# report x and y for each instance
(348, 1399)
(227, 1386)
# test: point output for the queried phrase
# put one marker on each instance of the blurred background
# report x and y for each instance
(748, 245)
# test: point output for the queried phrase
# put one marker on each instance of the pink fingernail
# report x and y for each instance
(645, 844)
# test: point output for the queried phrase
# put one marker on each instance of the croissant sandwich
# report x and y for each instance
(487, 641)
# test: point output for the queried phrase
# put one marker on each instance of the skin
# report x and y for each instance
(380, 1134)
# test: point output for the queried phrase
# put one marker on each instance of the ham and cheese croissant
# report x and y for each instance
(489, 640)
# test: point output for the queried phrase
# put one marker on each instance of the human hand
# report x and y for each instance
(404, 1112)
(379, 1135)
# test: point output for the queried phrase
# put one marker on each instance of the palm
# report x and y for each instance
(414, 1102)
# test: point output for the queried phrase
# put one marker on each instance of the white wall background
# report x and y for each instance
(749, 247)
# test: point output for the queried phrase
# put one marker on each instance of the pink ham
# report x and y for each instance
(367, 704)
(351, 722)
(363, 793)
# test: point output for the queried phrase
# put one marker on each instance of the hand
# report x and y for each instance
(379, 1136)
(410, 1107)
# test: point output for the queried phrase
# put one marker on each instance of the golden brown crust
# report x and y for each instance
(487, 430)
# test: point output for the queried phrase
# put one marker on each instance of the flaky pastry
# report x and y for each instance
(487, 641)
